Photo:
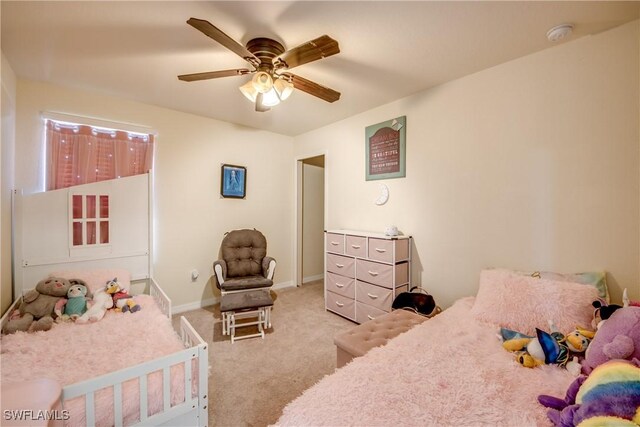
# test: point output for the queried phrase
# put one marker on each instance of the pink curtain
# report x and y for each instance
(81, 154)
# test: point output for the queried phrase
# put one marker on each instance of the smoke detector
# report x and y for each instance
(559, 32)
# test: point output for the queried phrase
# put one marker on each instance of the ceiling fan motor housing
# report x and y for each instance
(265, 50)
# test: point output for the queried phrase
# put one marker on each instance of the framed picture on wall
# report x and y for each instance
(233, 181)
(386, 149)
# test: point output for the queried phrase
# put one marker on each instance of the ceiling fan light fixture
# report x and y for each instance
(283, 88)
(262, 82)
(270, 98)
(249, 91)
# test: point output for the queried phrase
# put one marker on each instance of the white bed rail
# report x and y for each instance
(191, 339)
(7, 314)
(193, 411)
(160, 297)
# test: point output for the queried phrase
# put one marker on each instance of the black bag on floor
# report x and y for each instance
(420, 302)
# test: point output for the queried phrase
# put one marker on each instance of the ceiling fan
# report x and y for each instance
(270, 63)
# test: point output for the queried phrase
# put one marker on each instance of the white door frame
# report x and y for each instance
(297, 210)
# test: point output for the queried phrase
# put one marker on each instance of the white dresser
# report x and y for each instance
(364, 272)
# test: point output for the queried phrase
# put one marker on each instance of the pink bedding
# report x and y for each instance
(448, 371)
(70, 353)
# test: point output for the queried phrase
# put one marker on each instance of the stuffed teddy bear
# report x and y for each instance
(618, 339)
(37, 310)
(122, 301)
(101, 302)
(75, 304)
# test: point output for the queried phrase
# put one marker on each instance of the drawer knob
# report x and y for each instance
(339, 265)
(372, 296)
(369, 316)
(373, 273)
(339, 285)
(339, 304)
(381, 250)
(355, 246)
(335, 243)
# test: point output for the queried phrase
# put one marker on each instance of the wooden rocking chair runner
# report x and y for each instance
(244, 264)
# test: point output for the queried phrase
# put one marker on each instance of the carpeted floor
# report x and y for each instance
(252, 380)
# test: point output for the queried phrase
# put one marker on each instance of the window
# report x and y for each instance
(89, 220)
(81, 154)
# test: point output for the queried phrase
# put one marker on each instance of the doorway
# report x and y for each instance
(310, 219)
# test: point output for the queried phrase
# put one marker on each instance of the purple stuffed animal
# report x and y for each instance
(618, 340)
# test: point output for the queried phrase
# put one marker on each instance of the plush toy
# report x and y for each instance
(579, 339)
(609, 396)
(548, 348)
(37, 310)
(617, 338)
(603, 310)
(101, 302)
(76, 303)
(122, 301)
(544, 348)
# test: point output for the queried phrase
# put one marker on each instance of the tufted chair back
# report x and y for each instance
(243, 251)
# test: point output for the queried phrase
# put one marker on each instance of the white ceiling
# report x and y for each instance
(389, 50)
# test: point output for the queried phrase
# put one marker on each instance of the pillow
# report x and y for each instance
(523, 303)
(97, 278)
(598, 279)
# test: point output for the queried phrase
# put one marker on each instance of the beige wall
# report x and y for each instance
(7, 150)
(532, 164)
(313, 222)
(190, 218)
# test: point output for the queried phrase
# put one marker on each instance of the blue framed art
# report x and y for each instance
(233, 181)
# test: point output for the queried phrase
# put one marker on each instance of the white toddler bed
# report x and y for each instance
(452, 370)
(126, 369)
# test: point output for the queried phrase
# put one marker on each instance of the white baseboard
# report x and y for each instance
(211, 301)
(194, 305)
(281, 285)
(312, 278)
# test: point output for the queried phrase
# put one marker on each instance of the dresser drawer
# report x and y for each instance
(341, 285)
(382, 274)
(356, 246)
(365, 312)
(341, 265)
(388, 250)
(381, 250)
(342, 305)
(374, 296)
(335, 243)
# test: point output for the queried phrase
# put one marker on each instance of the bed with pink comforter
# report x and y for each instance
(448, 371)
(70, 353)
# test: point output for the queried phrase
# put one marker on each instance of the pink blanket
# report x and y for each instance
(70, 353)
(449, 371)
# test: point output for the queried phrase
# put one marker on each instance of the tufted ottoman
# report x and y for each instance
(374, 333)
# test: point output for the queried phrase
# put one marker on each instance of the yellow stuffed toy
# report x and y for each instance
(547, 348)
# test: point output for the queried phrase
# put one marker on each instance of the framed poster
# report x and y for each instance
(233, 181)
(385, 149)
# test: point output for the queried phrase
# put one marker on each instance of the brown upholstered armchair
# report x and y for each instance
(244, 264)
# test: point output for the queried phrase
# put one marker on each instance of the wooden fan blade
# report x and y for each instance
(213, 75)
(313, 88)
(322, 47)
(208, 29)
(259, 107)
